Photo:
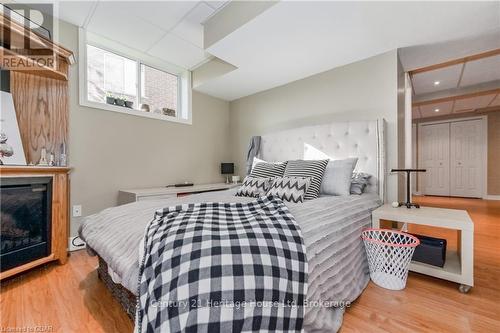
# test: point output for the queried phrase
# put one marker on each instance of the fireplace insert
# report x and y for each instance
(25, 220)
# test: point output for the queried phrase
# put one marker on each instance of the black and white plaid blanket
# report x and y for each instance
(223, 267)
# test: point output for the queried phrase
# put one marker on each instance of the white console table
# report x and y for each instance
(158, 193)
(459, 265)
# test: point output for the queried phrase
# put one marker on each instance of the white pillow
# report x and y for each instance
(337, 177)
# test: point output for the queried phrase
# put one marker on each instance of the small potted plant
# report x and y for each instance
(120, 101)
(128, 103)
(110, 99)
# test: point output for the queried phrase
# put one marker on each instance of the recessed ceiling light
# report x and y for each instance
(436, 110)
(436, 83)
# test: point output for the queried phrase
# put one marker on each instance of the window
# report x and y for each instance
(110, 75)
(133, 83)
(159, 90)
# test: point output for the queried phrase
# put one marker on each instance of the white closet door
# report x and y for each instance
(466, 159)
(434, 155)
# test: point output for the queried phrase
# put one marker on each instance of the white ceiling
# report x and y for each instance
(457, 76)
(289, 41)
(419, 56)
(457, 105)
(299, 39)
(447, 77)
(170, 30)
(480, 75)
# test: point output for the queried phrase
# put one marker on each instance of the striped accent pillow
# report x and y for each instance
(265, 169)
(314, 169)
(254, 187)
(292, 189)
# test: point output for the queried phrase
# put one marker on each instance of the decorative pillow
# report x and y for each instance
(337, 177)
(292, 189)
(254, 187)
(313, 169)
(359, 182)
(262, 169)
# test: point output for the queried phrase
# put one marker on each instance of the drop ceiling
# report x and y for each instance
(457, 76)
(289, 41)
(442, 91)
(170, 30)
(457, 105)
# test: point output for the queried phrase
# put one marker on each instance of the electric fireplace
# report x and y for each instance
(25, 220)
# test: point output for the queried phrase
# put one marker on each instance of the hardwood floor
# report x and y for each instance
(71, 298)
(68, 298)
(433, 305)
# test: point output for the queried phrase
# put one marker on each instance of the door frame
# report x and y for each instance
(483, 140)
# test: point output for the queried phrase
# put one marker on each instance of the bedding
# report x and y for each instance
(314, 169)
(263, 169)
(215, 267)
(331, 227)
(254, 187)
(292, 189)
(359, 182)
(337, 177)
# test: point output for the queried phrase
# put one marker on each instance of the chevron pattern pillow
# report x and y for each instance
(310, 168)
(254, 187)
(292, 189)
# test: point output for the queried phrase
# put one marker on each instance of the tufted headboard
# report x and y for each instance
(337, 140)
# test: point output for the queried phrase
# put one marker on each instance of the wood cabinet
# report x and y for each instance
(39, 88)
(60, 212)
(40, 93)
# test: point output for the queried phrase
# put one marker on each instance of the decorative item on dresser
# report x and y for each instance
(227, 169)
(48, 227)
(11, 149)
(159, 193)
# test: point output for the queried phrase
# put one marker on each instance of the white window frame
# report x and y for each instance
(183, 113)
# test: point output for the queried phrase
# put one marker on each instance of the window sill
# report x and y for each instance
(134, 112)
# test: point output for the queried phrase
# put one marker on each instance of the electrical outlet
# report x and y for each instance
(77, 210)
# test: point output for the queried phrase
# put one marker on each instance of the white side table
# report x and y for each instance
(459, 265)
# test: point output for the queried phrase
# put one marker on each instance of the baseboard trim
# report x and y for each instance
(492, 197)
(72, 247)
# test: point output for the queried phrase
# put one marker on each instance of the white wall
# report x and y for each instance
(360, 91)
(110, 151)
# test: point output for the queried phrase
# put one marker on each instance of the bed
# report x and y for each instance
(331, 225)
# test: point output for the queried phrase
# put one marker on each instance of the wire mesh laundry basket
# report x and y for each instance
(389, 254)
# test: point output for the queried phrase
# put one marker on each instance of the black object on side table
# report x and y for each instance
(408, 202)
